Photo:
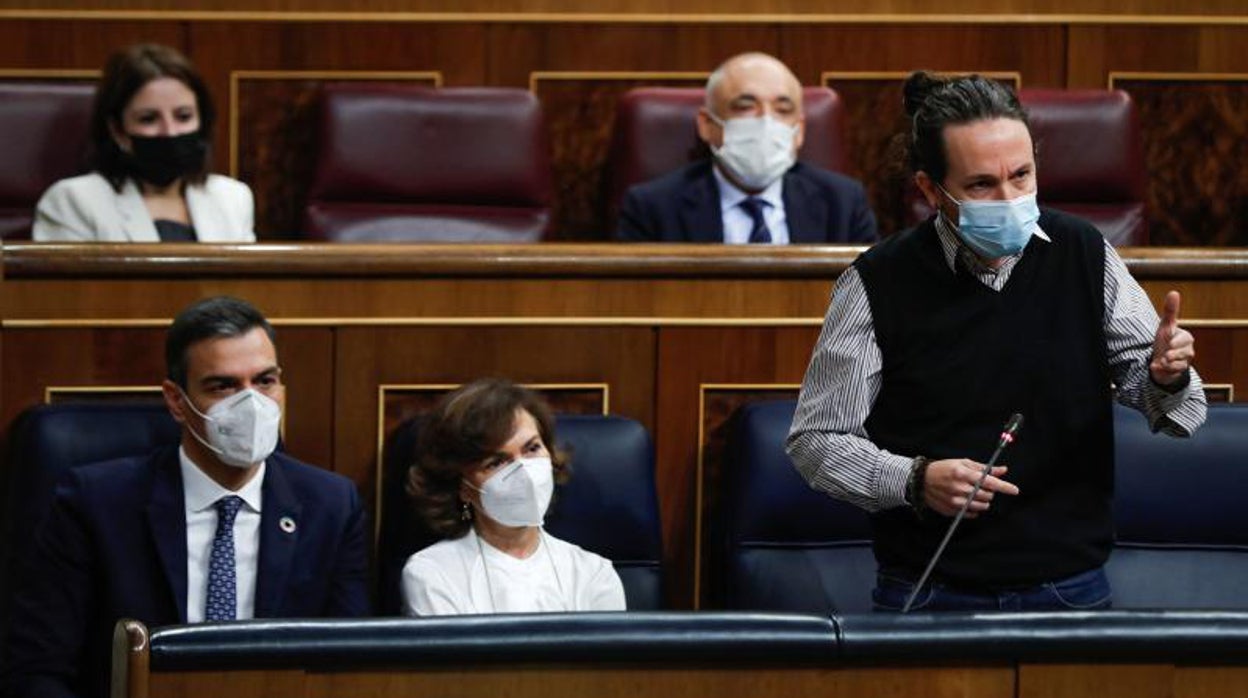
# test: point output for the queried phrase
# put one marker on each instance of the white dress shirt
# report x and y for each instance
(737, 221)
(467, 575)
(201, 493)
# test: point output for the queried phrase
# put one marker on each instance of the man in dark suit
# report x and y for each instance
(218, 528)
(751, 190)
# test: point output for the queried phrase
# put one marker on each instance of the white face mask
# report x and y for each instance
(519, 493)
(242, 429)
(757, 150)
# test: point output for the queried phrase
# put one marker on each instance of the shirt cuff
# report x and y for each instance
(1177, 413)
(894, 473)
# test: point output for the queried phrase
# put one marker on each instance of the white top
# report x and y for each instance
(451, 577)
(737, 221)
(87, 209)
(201, 493)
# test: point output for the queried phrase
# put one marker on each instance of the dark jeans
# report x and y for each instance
(1085, 591)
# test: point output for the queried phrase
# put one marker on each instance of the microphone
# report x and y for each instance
(1007, 437)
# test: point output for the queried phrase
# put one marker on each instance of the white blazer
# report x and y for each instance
(87, 209)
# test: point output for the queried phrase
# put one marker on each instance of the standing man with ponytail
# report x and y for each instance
(933, 338)
(216, 528)
(752, 189)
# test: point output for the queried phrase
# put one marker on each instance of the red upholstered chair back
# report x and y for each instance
(403, 163)
(1091, 160)
(43, 138)
(656, 132)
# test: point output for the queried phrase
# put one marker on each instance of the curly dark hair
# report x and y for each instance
(465, 427)
(126, 72)
(933, 102)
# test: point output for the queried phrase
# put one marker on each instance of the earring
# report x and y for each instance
(465, 511)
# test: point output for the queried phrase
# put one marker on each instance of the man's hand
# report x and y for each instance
(948, 483)
(1173, 346)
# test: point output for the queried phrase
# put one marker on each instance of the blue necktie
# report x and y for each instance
(222, 585)
(754, 207)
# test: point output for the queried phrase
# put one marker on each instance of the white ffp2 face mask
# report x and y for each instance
(242, 429)
(519, 493)
(757, 150)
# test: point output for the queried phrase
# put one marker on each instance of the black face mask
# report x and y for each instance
(160, 160)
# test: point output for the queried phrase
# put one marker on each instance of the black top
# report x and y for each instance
(958, 359)
(173, 231)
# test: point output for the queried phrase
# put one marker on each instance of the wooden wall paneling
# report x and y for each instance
(1035, 51)
(610, 681)
(1195, 141)
(689, 359)
(221, 49)
(579, 109)
(403, 301)
(668, 10)
(104, 358)
(35, 359)
(1130, 681)
(78, 44)
(1222, 361)
(517, 50)
(1196, 681)
(874, 112)
(273, 122)
(1096, 681)
(370, 357)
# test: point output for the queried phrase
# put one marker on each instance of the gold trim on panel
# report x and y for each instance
(1173, 77)
(49, 73)
(1229, 387)
(827, 75)
(703, 388)
(621, 17)
(236, 76)
(380, 464)
(52, 390)
(566, 75)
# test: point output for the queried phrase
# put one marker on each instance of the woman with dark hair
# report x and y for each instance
(484, 476)
(936, 336)
(151, 132)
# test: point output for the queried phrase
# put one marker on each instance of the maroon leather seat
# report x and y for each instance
(1091, 160)
(402, 163)
(655, 133)
(43, 138)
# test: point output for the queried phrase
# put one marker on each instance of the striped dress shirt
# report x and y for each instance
(828, 441)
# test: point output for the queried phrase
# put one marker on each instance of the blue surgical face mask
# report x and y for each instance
(996, 229)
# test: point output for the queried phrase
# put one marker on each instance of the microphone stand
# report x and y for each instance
(1007, 437)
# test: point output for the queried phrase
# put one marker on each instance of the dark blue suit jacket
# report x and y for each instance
(683, 206)
(114, 546)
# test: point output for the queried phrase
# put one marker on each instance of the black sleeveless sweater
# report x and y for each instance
(958, 360)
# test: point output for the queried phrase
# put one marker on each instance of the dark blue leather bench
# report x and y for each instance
(1181, 512)
(1180, 506)
(657, 637)
(692, 639)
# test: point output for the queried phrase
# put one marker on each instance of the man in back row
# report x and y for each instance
(752, 190)
(220, 528)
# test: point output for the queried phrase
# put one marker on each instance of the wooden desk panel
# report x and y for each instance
(679, 335)
(607, 682)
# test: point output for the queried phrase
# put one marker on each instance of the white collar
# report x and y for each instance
(951, 245)
(202, 492)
